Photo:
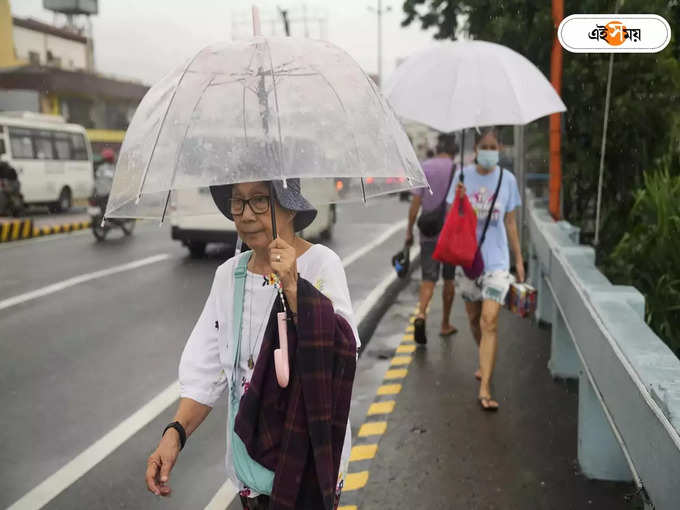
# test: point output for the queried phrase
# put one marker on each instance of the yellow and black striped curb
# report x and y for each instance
(16, 230)
(365, 445)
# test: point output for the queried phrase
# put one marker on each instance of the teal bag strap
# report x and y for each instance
(239, 292)
(253, 474)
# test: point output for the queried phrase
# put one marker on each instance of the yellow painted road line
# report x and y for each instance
(406, 349)
(5, 231)
(347, 507)
(401, 360)
(389, 389)
(396, 373)
(373, 428)
(385, 407)
(363, 452)
(408, 336)
(355, 481)
(411, 320)
(410, 329)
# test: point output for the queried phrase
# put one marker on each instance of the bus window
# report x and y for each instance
(62, 145)
(43, 144)
(21, 143)
(79, 148)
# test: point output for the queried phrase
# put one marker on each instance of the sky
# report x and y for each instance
(144, 39)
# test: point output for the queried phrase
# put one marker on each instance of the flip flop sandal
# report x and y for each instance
(452, 331)
(484, 404)
(419, 331)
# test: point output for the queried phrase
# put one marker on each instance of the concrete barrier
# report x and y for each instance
(629, 380)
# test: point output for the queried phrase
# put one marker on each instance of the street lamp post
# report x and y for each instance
(379, 11)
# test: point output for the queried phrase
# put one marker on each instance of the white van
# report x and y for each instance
(53, 159)
(195, 232)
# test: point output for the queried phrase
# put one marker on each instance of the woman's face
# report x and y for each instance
(488, 142)
(256, 228)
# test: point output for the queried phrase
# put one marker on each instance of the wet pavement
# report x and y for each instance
(441, 451)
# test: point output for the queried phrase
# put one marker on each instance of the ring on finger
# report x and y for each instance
(278, 258)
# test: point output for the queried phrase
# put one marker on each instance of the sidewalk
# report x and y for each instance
(440, 451)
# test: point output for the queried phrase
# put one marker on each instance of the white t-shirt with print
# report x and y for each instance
(480, 190)
(205, 368)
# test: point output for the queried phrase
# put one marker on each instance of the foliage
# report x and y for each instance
(648, 255)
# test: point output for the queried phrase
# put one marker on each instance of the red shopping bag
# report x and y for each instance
(457, 243)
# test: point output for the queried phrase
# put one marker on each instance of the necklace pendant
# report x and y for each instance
(251, 363)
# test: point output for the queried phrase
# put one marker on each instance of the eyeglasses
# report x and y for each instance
(259, 204)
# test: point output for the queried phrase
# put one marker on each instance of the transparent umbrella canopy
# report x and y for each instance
(262, 109)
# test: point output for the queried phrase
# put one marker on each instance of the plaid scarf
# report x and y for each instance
(298, 432)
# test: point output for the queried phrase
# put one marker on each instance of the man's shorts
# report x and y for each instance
(430, 267)
(493, 286)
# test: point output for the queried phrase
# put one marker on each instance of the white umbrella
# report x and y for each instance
(464, 84)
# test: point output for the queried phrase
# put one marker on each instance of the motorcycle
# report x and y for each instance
(96, 211)
(11, 199)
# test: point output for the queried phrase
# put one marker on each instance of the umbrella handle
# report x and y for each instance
(281, 354)
(272, 208)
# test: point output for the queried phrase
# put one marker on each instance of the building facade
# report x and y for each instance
(49, 69)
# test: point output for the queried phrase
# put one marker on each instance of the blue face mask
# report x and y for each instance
(487, 159)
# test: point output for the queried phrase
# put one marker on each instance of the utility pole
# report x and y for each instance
(301, 17)
(380, 11)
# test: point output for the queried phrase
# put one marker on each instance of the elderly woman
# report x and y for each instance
(283, 450)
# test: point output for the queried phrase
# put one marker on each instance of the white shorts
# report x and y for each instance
(493, 286)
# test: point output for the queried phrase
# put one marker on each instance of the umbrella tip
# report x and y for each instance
(285, 183)
(101, 225)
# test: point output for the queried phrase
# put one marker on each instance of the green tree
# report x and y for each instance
(648, 256)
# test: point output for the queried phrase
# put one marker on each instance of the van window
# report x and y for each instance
(62, 145)
(43, 144)
(79, 148)
(21, 143)
(2, 145)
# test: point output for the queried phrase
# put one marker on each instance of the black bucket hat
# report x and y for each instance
(289, 198)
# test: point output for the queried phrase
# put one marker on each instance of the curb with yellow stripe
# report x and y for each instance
(365, 446)
(16, 230)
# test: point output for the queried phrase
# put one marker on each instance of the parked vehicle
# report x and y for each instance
(53, 159)
(196, 231)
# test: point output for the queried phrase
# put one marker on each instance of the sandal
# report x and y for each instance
(485, 404)
(449, 332)
(419, 331)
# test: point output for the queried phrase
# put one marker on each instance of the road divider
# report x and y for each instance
(14, 230)
(26, 228)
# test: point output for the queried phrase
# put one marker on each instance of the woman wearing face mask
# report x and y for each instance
(485, 295)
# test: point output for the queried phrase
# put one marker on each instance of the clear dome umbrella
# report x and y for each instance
(262, 109)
